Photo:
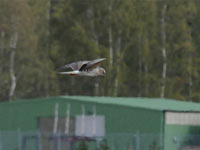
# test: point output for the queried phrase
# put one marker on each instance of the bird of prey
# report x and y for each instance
(85, 68)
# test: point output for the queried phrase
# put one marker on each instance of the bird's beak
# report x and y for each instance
(104, 73)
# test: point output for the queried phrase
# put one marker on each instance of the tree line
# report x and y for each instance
(151, 47)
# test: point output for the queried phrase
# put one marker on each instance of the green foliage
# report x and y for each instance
(154, 145)
(53, 33)
(83, 145)
(33, 68)
(104, 145)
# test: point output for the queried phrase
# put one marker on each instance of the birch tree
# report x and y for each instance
(164, 51)
(13, 46)
(21, 29)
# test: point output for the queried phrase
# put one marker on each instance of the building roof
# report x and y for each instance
(146, 103)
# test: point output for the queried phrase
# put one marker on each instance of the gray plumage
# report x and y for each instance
(85, 68)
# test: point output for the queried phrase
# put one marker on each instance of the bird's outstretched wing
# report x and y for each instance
(91, 64)
(74, 66)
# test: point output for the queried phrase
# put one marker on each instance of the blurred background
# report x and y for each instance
(151, 47)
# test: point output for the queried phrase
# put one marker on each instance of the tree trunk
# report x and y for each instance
(91, 17)
(164, 53)
(2, 49)
(13, 44)
(96, 85)
(12, 74)
(47, 76)
(111, 51)
(118, 48)
(140, 68)
(190, 77)
(146, 69)
(110, 37)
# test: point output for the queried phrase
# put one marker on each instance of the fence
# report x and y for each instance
(187, 142)
(17, 140)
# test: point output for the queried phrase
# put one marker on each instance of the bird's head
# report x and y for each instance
(102, 71)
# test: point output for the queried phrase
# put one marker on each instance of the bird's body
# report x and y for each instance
(85, 68)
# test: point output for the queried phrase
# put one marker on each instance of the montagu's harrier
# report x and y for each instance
(85, 68)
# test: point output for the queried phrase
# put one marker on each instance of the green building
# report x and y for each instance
(118, 122)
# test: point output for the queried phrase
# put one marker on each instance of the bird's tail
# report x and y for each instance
(69, 72)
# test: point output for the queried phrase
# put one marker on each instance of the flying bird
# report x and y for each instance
(85, 68)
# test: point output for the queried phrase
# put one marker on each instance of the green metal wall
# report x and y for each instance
(175, 135)
(24, 115)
